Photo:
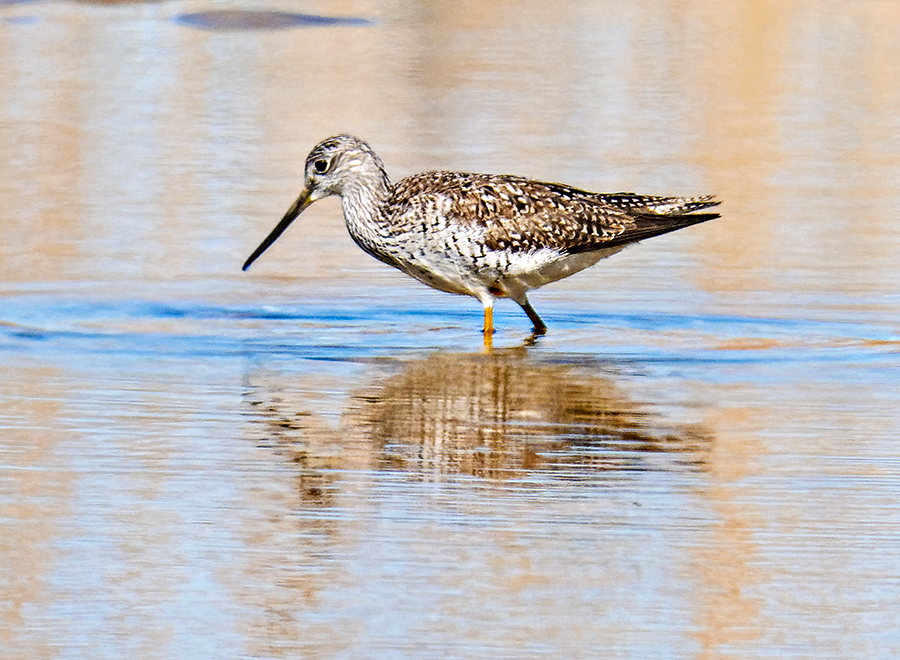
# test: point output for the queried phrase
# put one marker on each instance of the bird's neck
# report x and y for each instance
(363, 202)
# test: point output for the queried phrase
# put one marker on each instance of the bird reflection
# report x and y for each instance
(299, 437)
(500, 415)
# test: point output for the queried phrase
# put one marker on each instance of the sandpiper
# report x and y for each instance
(482, 235)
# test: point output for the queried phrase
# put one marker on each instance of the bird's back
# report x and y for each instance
(518, 214)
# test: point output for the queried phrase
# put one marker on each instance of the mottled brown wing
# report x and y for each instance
(523, 215)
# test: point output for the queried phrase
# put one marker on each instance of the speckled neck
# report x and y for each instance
(363, 199)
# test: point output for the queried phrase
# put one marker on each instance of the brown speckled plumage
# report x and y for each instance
(482, 235)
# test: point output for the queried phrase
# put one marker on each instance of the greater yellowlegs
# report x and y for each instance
(482, 235)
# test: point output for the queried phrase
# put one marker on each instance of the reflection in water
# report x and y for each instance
(302, 438)
(440, 455)
(497, 416)
(235, 19)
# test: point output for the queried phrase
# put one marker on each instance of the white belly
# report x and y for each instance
(531, 271)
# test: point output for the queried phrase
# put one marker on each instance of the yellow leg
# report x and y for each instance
(488, 327)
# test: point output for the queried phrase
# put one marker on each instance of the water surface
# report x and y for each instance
(317, 459)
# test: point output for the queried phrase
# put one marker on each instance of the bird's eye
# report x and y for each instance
(321, 166)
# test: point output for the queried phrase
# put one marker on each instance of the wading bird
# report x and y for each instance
(482, 235)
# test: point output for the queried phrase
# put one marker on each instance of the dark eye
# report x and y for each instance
(321, 166)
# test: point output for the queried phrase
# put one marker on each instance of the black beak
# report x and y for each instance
(302, 202)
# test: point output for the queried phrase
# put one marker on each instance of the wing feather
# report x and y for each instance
(522, 215)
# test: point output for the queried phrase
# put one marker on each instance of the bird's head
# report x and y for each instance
(336, 166)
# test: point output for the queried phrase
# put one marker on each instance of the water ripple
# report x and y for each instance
(237, 19)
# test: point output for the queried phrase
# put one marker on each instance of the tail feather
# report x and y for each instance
(647, 224)
(659, 205)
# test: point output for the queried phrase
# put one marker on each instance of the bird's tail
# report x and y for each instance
(653, 216)
(667, 206)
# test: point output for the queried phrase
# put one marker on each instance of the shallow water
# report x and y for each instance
(317, 459)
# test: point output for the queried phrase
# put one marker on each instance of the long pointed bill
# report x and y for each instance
(302, 202)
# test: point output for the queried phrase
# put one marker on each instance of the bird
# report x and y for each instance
(487, 236)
